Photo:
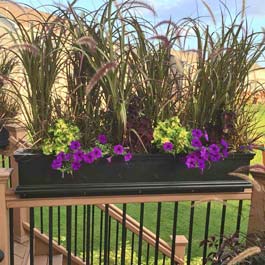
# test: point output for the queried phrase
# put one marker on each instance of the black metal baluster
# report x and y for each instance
(140, 242)
(31, 235)
(84, 233)
(190, 233)
(50, 235)
(132, 250)
(164, 259)
(158, 219)
(222, 227)
(109, 238)
(92, 233)
(117, 243)
(147, 254)
(59, 224)
(3, 161)
(100, 236)
(41, 220)
(174, 232)
(239, 214)
(106, 234)
(75, 237)
(69, 233)
(11, 235)
(206, 231)
(88, 236)
(9, 166)
(124, 234)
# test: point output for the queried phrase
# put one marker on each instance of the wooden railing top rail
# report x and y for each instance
(13, 201)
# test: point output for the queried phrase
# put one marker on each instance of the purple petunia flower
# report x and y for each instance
(168, 146)
(60, 156)
(97, 152)
(242, 147)
(193, 155)
(56, 164)
(78, 156)
(75, 145)
(215, 157)
(224, 143)
(250, 147)
(195, 142)
(118, 149)
(89, 158)
(102, 138)
(67, 157)
(190, 162)
(246, 147)
(204, 153)
(214, 149)
(201, 164)
(75, 165)
(206, 136)
(128, 157)
(225, 153)
(197, 133)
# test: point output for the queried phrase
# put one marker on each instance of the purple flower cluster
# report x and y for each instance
(204, 153)
(102, 138)
(168, 146)
(119, 150)
(76, 156)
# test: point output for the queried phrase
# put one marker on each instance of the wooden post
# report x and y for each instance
(256, 222)
(21, 214)
(4, 220)
(180, 246)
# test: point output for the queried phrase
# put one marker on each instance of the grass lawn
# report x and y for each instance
(261, 118)
(166, 218)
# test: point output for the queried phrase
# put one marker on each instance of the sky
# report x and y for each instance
(177, 9)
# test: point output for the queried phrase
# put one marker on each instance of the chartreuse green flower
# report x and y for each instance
(171, 131)
(60, 136)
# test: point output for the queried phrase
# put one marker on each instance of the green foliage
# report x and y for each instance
(8, 105)
(128, 254)
(111, 55)
(218, 86)
(104, 106)
(171, 130)
(143, 68)
(196, 261)
(60, 136)
(38, 47)
(159, 73)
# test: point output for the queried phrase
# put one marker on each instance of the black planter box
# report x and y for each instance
(144, 174)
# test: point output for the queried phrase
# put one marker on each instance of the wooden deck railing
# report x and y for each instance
(8, 200)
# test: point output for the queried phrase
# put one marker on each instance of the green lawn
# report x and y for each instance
(261, 118)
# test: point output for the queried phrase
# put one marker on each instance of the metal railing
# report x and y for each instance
(105, 240)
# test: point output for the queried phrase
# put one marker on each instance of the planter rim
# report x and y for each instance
(26, 152)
